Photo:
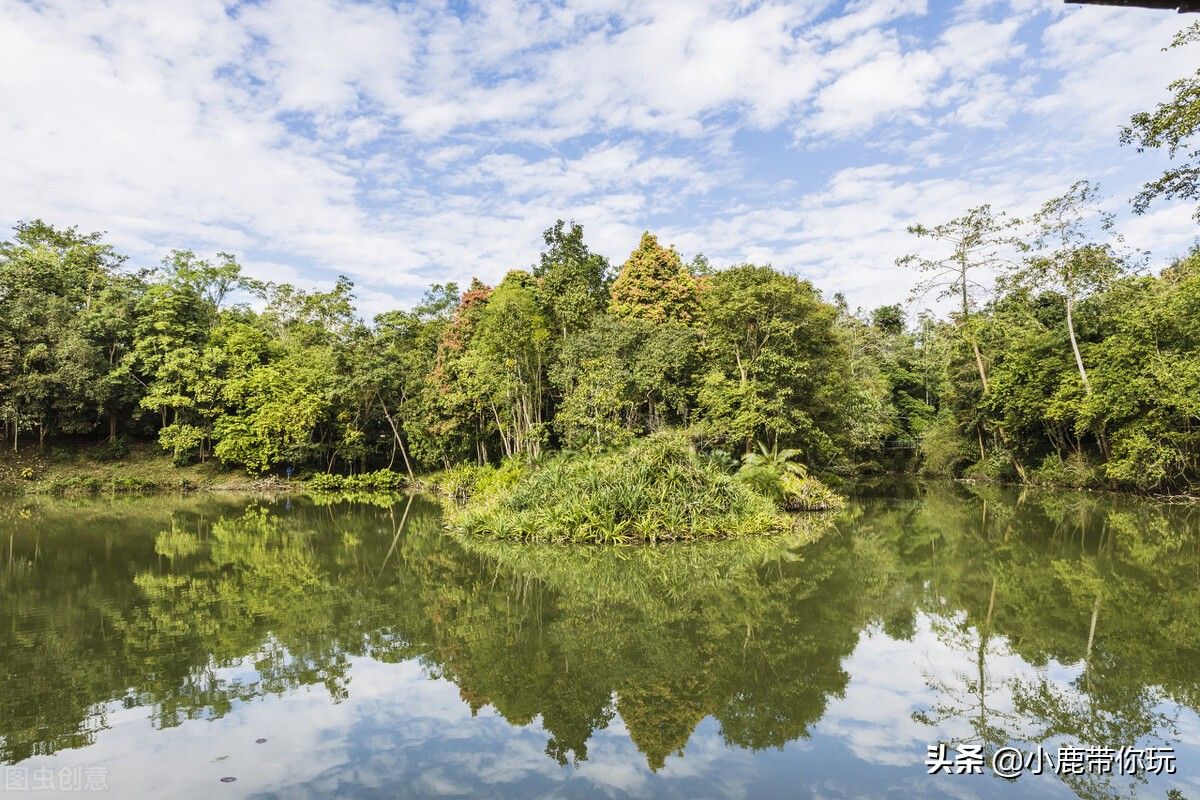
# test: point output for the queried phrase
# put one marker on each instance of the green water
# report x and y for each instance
(147, 645)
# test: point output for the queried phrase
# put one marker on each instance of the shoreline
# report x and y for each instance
(73, 472)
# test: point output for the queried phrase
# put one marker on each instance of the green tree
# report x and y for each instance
(773, 363)
(52, 285)
(1066, 258)
(654, 284)
(621, 377)
(505, 363)
(1171, 125)
(573, 281)
(977, 242)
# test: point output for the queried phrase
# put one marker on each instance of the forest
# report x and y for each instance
(1079, 370)
(1058, 356)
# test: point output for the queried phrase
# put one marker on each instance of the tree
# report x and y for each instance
(506, 360)
(977, 242)
(654, 284)
(50, 370)
(774, 362)
(1064, 257)
(1171, 125)
(176, 317)
(573, 281)
(621, 377)
(395, 366)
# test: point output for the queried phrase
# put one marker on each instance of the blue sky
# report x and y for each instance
(405, 143)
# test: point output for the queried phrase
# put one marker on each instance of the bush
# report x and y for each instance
(112, 450)
(381, 481)
(501, 478)
(764, 480)
(944, 450)
(996, 468)
(808, 494)
(458, 482)
(326, 483)
(657, 488)
(1074, 472)
(789, 491)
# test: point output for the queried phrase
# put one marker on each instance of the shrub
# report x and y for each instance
(657, 488)
(1074, 472)
(944, 450)
(112, 450)
(996, 468)
(326, 483)
(457, 482)
(380, 481)
(384, 480)
(808, 494)
(788, 490)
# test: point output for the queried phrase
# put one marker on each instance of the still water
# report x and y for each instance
(153, 647)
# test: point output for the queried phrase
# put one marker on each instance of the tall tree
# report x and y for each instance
(49, 277)
(1171, 125)
(506, 362)
(977, 242)
(655, 285)
(1065, 256)
(776, 365)
(573, 279)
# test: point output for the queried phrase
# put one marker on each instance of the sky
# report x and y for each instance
(402, 144)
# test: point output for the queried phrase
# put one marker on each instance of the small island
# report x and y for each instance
(659, 488)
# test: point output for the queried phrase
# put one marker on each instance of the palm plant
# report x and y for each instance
(781, 461)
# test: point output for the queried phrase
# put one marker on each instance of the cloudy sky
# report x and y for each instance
(405, 143)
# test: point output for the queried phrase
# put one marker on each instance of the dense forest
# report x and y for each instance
(1077, 370)
(1064, 357)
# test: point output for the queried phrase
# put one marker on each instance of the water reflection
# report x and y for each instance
(961, 615)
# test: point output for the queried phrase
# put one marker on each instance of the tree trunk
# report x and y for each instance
(1087, 656)
(112, 428)
(966, 316)
(1087, 387)
(979, 361)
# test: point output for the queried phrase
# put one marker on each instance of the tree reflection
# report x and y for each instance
(1100, 590)
(213, 604)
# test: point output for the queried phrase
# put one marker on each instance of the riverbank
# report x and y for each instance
(141, 468)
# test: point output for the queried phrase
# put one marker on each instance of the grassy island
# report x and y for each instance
(659, 488)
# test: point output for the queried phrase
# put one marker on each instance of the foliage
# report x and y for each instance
(457, 482)
(944, 450)
(770, 341)
(1068, 358)
(1171, 125)
(654, 285)
(1073, 471)
(658, 488)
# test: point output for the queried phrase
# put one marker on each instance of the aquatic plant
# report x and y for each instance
(656, 489)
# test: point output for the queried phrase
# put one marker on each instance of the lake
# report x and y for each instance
(213, 647)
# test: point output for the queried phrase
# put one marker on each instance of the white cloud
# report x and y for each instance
(405, 143)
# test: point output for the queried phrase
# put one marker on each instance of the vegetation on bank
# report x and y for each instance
(141, 468)
(1063, 361)
(659, 488)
